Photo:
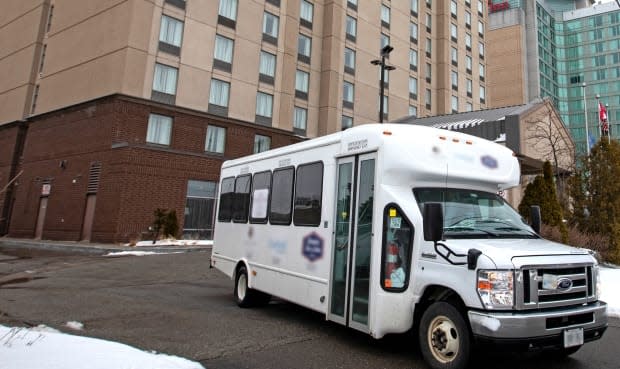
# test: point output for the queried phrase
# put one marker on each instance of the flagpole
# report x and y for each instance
(585, 111)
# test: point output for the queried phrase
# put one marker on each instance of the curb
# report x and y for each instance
(91, 249)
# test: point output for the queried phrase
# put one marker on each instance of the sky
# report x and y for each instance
(46, 348)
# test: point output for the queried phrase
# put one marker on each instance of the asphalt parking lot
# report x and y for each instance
(173, 303)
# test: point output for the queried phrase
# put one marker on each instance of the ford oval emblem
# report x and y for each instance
(489, 161)
(564, 284)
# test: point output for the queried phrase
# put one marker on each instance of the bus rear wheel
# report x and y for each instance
(444, 337)
(245, 296)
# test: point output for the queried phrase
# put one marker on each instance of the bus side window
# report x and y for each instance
(397, 245)
(226, 198)
(261, 184)
(280, 204)
(241, 199)
(308, 194)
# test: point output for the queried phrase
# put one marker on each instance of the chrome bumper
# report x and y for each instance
(523, 324)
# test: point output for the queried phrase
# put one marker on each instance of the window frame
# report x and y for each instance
(407, 262)
(221, 204)
(292, 188)
(245, 208)
(217, 129)
(169, 120)
(251, 219)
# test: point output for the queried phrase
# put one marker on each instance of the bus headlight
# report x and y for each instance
(496, 288)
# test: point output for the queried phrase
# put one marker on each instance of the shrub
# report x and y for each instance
(595, 242)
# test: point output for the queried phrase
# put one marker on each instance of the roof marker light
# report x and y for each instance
(469, 142)
(455, 140)
(387, 133)
(442, 138)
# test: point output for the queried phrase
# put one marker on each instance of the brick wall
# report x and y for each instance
(8, 141)
(136, 177)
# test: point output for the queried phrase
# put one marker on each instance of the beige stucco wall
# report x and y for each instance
(506, 85)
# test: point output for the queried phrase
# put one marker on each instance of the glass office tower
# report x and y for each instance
(577, 46)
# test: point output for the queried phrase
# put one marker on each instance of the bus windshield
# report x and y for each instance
(475, 214)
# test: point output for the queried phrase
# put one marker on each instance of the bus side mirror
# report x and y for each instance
(433, 222)
(535, 217)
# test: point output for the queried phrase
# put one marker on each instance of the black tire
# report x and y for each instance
(245, 296)
(444, 337)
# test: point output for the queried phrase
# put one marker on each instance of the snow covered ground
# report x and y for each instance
(173, 242)
(46, 348)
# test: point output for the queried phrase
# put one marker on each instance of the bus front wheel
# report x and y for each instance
(444, 337)
(245, 296)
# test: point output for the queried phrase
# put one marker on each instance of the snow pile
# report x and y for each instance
(132, 253)
(75, 325)
(173, 242)
(44, 348)
(610, 277)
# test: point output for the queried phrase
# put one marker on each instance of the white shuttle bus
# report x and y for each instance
(389, 227)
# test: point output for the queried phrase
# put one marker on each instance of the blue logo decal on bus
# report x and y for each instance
(489, 161)
(312, 247)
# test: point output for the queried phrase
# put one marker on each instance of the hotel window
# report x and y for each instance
(216, 139)
(227, 13)
(413, 59)
(480, 29)
(261, 143)
(306, 14)
(454, 78)
(413, 88)
(482, 94)
(300, 119)
(467, 19)
(429, 72)
(170, 35)
(468, 41)
(351, 29)
(414, 8)
(218, 97)
(165, 79)
(413, 111)
(429, 47)
(349, 60)
(347, 122)
(223, 54)
(454, 56)
(270, 28)
(302, 80)
(455, 104)
(453, 8)
(348, 94)
(385, 40)
(413, 32)
(453, 32)
(429, 3)
(481, 50)
(264, 104)
(267, 67)
(469, 107)
(428, 22)
(481, 71)
(427, 99)
(480, 8)
(468, 63)
(385, 16)
(159, 129)
(469, 87)
(304, 48)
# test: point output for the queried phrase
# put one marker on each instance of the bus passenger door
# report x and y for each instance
(350, 277)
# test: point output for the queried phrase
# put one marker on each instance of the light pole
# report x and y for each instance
(585, 112)
(385, 52)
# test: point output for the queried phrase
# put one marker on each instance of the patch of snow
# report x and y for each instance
(132, 253)
(75, 325)
(172, 242)
(610, 277)
(41, 349)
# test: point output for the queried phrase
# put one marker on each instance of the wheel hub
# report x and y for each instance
(443, 339)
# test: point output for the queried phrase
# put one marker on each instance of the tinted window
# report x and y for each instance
(226, 199)
(241, 200)
(260, 197)
(308, 194)
(280, 205)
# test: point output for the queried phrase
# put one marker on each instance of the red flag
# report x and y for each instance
(602, 112)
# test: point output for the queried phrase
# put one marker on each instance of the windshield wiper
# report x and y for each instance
(469, 229)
